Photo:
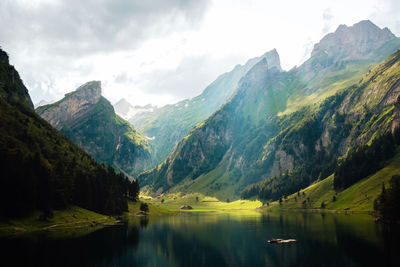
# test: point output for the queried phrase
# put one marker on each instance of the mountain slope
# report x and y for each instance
(358, 197)
(253, 136)
(168, 125)
(41, 168)
(90, 121)
(11, 87)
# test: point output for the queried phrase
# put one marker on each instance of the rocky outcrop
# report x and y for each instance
(396, 119)
(357, 41)
(73, 106)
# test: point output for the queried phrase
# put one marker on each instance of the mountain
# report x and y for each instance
(90, 121)
(169, 124)
(43, 103)
(124, 109)
(11, 87)
(339, 60)
(41, 168)
(289, 127)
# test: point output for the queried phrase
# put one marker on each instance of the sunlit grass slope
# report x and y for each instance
(358, 198)
(71, 222)
(200, 203)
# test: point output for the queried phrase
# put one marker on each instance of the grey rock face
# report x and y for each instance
(356, 41)
(73, 106)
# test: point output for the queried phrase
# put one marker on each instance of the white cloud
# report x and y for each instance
(160, 51)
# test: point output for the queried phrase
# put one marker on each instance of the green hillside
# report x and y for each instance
(358, 197)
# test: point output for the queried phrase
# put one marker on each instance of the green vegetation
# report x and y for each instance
(367, 158)
(387, 204)
(201, 203)
(318, 136)
(70, 222)
(172, 123)
(11, 87)
(153, 209)
(42, 170)
(55, 173)
(106, 137)
(359, 197)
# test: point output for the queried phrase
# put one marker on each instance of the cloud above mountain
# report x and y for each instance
(159, 51)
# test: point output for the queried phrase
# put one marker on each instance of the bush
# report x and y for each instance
(144, 207)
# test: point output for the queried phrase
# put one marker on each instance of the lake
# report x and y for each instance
(232, 239)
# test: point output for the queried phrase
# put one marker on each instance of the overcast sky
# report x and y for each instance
(162, 51)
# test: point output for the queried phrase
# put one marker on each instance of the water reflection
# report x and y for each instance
(223, 240)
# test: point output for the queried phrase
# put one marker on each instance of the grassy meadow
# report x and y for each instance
(71, 222)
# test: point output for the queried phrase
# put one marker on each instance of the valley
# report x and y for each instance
(263, 153)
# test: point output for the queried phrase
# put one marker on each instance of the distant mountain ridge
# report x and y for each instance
(169, 124)
(270, 126)
(353, 42)
(90, 121)
(124, 109)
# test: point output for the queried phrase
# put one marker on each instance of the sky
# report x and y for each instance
(162, 51)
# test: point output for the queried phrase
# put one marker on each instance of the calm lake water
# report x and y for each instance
(219, 240)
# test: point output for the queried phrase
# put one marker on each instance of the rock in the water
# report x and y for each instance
(278, 240)
(186, 207)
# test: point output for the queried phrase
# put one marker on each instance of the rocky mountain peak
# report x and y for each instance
(73, 105)
(258, 71)
(91, 91)
(271, 57)
(273, 60)
(355, 42)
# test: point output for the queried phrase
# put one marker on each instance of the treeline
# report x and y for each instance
(366, 160)
(387, 205)
(284, 184)
(41, 169)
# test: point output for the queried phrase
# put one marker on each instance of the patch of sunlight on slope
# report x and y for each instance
(70, 222)
(358, 197)
(203, 203)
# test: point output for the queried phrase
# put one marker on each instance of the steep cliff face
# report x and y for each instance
(168, 125)
(73, 106)
(11, 87)
(258, 138)
(90, 121)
